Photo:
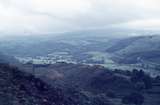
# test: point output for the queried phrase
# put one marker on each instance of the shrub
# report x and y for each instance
(133, 98)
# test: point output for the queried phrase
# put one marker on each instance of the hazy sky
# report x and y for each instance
(47, 16)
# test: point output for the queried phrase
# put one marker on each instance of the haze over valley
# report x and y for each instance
(79, 52)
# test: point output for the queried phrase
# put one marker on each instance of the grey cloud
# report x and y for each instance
(42, 16)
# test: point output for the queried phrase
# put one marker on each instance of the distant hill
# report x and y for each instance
(40, 46)
(137, 49)
(7, 59)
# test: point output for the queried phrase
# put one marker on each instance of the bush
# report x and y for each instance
(140, 86)
(133, 98)
(111, 94)
(139, 77)
(147, 81)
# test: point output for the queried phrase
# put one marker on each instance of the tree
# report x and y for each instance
(133, 98)
(139, 77)
(147, 81)
(140, 86)
(111, 94)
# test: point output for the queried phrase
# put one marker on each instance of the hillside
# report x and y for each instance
(48, 44)
(95, 81)
(72, 84)
(7, 59)
(137, 50)
(20, 88)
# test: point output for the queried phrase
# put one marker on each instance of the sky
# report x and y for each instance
(20, 17)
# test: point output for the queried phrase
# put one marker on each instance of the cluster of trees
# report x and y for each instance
(133, 98)
(141, 80)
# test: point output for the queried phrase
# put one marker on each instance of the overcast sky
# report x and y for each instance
(49, 16)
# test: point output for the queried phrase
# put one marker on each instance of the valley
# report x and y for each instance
(114, 53)
(84, 71)
(79, 52)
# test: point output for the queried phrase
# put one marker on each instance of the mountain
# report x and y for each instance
(137, 49)
(43, 45)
